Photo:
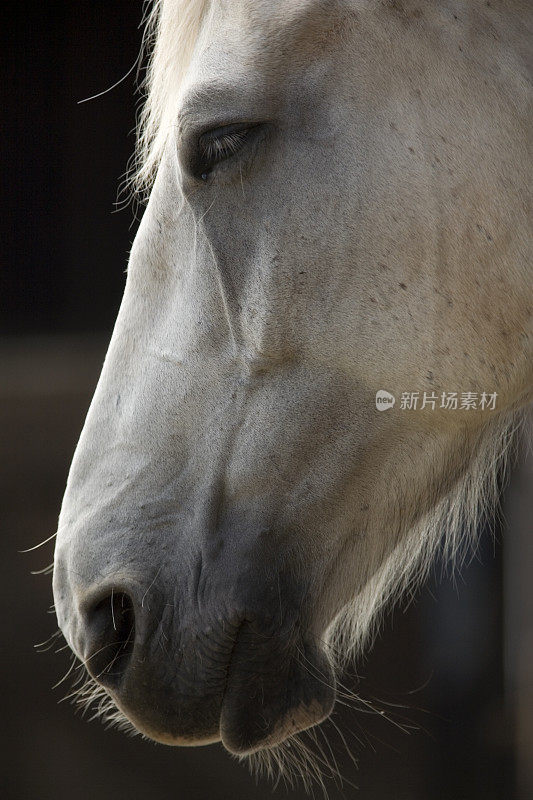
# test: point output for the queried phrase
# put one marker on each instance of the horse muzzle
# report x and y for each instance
(248, 678)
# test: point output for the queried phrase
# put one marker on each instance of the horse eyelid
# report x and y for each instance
(220, 144)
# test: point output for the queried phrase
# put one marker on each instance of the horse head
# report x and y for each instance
(338, 216)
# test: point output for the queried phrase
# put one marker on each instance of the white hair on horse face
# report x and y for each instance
(172, 29)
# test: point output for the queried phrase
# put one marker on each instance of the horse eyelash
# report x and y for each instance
(221, 147)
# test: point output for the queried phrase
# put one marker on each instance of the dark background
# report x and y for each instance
(450, 664)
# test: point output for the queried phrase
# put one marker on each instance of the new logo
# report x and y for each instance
(384, 400)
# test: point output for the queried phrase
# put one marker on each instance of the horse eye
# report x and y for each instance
(220, 144)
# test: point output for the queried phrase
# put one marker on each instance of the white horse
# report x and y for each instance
(324, 342)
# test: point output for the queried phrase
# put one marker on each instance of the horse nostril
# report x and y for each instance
(110, 635)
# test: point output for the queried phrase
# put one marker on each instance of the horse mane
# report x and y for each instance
(172, 28)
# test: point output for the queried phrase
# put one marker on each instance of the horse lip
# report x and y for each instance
(268, 696)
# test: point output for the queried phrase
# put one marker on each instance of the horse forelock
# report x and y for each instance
(171, 31)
